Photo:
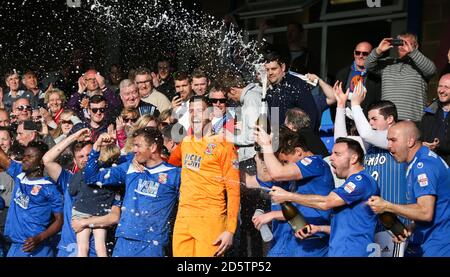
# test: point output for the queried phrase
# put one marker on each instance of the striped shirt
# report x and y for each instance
(404, 81)
(390, 176)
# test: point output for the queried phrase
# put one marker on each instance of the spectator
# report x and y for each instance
(200, 82)
(435, 125)
(92, 83)
(12, 80)
(33, 92)
(21, 110)
(404, 80)
(4, 118)
(147, 92)
(352, 74)
(115, 75)
(130, 97)
(163, 80)
(180, 103)
(287, 91)
(55, 101)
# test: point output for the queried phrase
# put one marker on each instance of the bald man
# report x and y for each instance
(428, 193)
(351, 74)
(92, 83)
(436, 121)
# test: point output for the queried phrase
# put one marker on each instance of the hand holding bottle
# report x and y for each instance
(377, 204)
(279, 195)
(310, 230)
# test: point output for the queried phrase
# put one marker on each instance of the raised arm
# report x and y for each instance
(340, 129)
(326, 88)
(5, 161)
(377, 138)
(372, 62)
(53, 168)
(275, 168)
(424, 64)
(320, 202)
(109, 176)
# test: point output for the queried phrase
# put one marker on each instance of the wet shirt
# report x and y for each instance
(317, 179)
(210, 179)
(428, 174)
(353, 225)
(68, 239)
(150, 197)
(33, 203)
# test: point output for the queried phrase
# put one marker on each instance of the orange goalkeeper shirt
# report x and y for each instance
(209, 179)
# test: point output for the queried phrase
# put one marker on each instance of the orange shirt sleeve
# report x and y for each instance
(230, 167)
(175, 156)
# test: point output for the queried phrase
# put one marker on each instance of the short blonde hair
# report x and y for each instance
(133, 111)
(61, 94)
(109, 154)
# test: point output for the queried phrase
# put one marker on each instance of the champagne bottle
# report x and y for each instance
(293, 216)
(391, 222)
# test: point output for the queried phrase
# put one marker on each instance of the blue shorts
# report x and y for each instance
(136, 248)
(41, 251)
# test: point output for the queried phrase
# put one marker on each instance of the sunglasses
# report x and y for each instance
(130, 120)
(365, 54)
(66, 122)
(220, 100)
(163, 124)
(95, 110)
(24, 107)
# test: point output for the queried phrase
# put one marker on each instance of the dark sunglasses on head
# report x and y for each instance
(95, 110)
(365, 54)
(215, 100)
(66, 122)
(24, 107)
(131, 120)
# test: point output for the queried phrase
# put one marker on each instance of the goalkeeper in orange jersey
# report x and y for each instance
(209, 193)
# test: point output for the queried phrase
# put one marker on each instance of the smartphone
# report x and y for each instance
(397, 42)
(178, 95)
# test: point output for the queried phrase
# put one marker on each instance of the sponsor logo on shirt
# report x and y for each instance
(210, 148)
(22, 200)
(420, 165)
(192, 161)
(306, 161)
(35, 190)
(379, 159)
(162, 178)
(423, 180)
(148, 188)
(358, 178)
(350, 187)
